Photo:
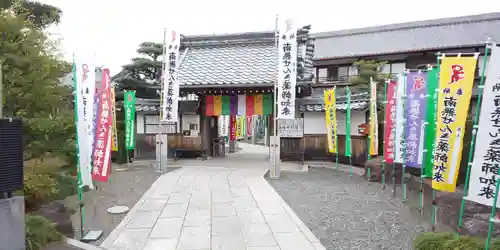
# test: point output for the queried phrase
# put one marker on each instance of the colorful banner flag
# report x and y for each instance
(242, 105)
(348, 125)
(400, 102)
(226, 105)
(209, 105)
(83, 75)
(331, 119)
(234, 105)
(114, 142)
(232, 128)
(390, 122)
(250, 105)
(170, 97)
(455, 90)
(249, 125)
(484, 169)
(430, 120)
(102, 153)
(287, 70)
(242, 124)
(373, 119)
(217, 105)
(129, 106)
(258, 103)
(416, 87)
(268, 104)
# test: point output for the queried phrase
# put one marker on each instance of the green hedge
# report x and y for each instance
(448, 241)
(39, 232)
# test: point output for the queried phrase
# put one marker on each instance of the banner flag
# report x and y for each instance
(103, 136)
(390, 122)
(129, 105)
(331, 119)
(400, 102)
(242, 105)
(455, 90)
(348, 125)
(484, 169)
(114, 142)
(170, 97)
(209, 105)
(373, 119)
(268, 104)
(287, 70)
(232, 128)
(226, 105)
(430, 127)
(249, 125)
(416, 88)
(84, 83)
(258, 102)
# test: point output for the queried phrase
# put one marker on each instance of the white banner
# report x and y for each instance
(484, 170)
(374, 118)
(84, 89)
(399, 142)
(242, 105)
(170, 100)
(287, 70)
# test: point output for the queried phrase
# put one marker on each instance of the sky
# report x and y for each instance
(111, 30)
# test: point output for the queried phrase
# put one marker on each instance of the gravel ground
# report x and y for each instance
(125, 187)
(349, 213)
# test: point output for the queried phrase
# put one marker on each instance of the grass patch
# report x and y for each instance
(448, 241)
(39, 232)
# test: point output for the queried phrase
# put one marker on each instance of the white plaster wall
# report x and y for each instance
(314, 122)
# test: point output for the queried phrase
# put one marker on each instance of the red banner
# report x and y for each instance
(232, 128)
(101, 160)
(390, 122)
(249, 126)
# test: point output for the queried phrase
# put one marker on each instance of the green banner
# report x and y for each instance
(226, 105)
(348, 124)
(430, 119)
(268, 104)
(129, 106)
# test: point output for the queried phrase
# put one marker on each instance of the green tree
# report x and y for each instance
(369, 69)
(39, 14)
(144, 72)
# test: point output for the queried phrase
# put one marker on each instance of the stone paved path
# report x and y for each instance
(212, 208)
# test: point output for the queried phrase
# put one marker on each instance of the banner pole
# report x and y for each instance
(436, 91)
(348, 130)
(403, 139)
(78, 173)
(473, 141)
(424, 155)
(493, 212)
(385, 124)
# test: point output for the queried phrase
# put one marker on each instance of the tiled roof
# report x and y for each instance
(456, 32)
(247, 58)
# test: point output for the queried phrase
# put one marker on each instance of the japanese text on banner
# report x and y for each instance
(455, 89)
(416, 88)
(400, 119)
(331, 119)
(82, 71)
(114, 142)
(129, 106)
(170, 98)
(287, 70)
(373, 119)
(485, 167)
(390, 122)
(102, 150)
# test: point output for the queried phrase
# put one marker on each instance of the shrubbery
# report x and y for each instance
(448, 241)
(39, 232)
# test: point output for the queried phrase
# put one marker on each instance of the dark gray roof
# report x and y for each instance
(455, 32)
(246, 58)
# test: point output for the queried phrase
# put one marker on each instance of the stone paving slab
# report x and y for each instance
(212, 208)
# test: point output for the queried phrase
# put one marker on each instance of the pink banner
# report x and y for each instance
(232, 128)
(249, 126)
(102, 151)
(390, 122)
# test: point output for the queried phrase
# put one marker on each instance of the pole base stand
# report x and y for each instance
(91, 236)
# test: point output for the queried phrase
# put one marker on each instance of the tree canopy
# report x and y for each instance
(143, 74)
(39, 14)
(32, 72)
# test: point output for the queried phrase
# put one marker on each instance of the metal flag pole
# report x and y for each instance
(275, 171)
(348, 130)
(386, 82)
(475, 127)
(436, 96)
(403, 139)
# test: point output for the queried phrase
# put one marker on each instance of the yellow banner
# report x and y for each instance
(331, 120)
(373, 119)
(238, 127)
(455, 90)
(114, 141)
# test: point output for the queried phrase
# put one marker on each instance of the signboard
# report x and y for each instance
(291, 128)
